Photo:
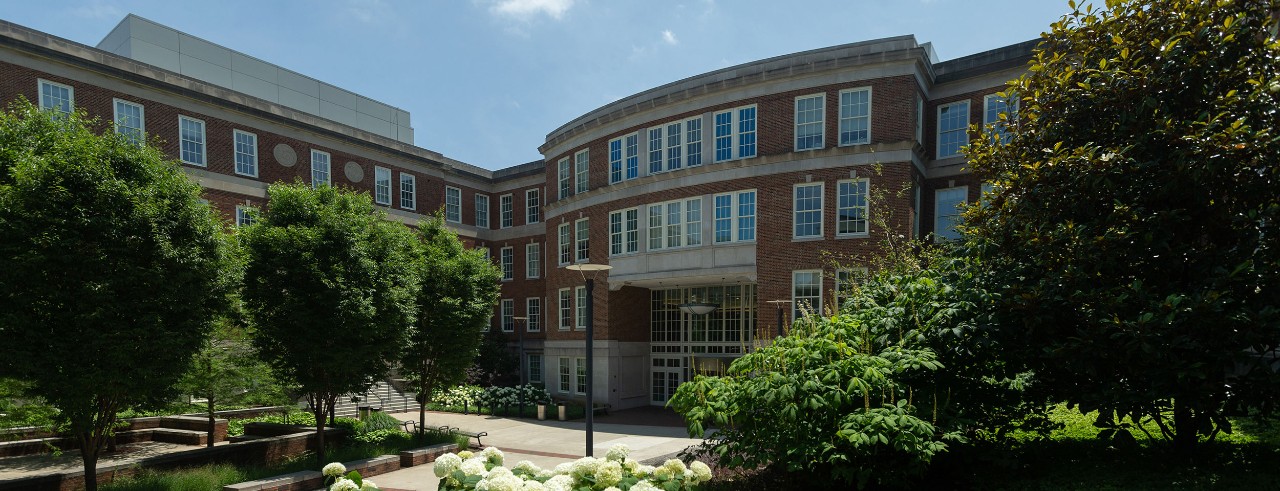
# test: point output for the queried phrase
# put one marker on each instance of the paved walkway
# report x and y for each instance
(70, 460)
(547, 443)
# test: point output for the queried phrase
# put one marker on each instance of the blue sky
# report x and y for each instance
(486, 80)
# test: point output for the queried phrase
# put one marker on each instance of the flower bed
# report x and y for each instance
(484, 471)
(503, 401)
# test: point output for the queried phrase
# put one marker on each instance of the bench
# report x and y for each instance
(412, 427)
(597, 407)
(472, 434)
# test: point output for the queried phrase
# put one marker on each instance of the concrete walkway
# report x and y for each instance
(546, 443)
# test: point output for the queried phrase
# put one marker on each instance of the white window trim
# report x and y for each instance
(564, 375)
(964, 128)
(412, 179)
(795, 307)
(142, 117)
(530, 257)
(562, 241)
(866, 217)
(564, 321)
(541, 371)
(795, 123)
(328, 168)
(580, 308)
(71, 93)
(507, 266)
(1011, 112)
(528, 210)
(735, 136)
(242, 215)
(576, 240)
(622, 159)
(458, 218)
(507, 215)
(533, 322)
(822, 198)
(503, 317)
(855, 275)
(870, 115)
(937, 238)
(564, 175)
(204, 141)
(235, 152)
(485, 199)
(582, 171)
(376, 171)
(622, 232)
(734, 224)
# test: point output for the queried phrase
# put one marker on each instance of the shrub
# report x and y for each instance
(377, 421)
(466, 471)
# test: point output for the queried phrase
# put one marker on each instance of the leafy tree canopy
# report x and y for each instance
(1131, 242)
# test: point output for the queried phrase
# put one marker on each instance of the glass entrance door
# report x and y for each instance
(667, 373)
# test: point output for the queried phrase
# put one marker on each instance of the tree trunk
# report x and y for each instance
(320, 412)
(90, 466)
(1185, 427)
(211, 423)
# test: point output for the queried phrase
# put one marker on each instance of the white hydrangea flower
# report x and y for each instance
(533, 486)
(675, 466)
(344, 484)
(465, 454)
(334, 469)
(500, 472)
(446, 464)
(701, 471)
(612, 488)
(526, 467)
(367, 485)
(584, 467)
(618, 452)
(608, 473)
(560, 482)
(545, 474)
(661, 473)
(493, 455)
(473, 467)
(563, 468)
(644, 486)
(643, 470)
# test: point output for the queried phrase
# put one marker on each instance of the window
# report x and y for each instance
(566, 309)
(566, 178)
(947, 204)
(735, 133)
(408, 191)
(535, 368)
(507, 258)
(855, 116)
(246, 153)
(675, 224)
(693, 222)
(56, 97)
(581, 386)
(532, 260)
(382, 186)
(130, 121)
(564, 374)
(566, 244)
(582, 240)
(991, 121)
(319, 168)
(245, 216)
(655, 226)
(693, 142)
(583, 163)
(506, 210)
(633, 156)
(624, 232)
(533, 310)
(580, 307)
(953, 128)
(735, 216)
(191, 140)
(916, 191)
(452, 204)
(806, 292)
(674, 145)
(615, 161)
(845, 281)
(508, 315)
(674, 148)
(808, 210)
(851, 207)
(919, 119)
(655, 150)
(809, 121)
(482, 210)
(532, 206)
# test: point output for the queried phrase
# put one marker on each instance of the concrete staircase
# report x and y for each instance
(387, 395)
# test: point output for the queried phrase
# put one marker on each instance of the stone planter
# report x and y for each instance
(560, 407)
(542, 412)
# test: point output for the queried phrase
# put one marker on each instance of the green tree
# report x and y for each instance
(224, 369)
(330, 286)
(459, 291)
(111, 270)
(1131, 241)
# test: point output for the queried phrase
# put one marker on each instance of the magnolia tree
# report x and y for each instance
(330, 285)
(111, 270)
(1131, 243)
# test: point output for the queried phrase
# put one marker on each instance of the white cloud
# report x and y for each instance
(669, 37)
(526, 10)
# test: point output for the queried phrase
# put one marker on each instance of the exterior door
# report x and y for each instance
(667, 373)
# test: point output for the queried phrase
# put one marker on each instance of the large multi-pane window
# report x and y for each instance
(533, 312)
(855, 116)
(810, 121)
(191, 140)
(535, 368)
(675, 224)
(245, 216)
(452, 204)
(564, 175)
(566, 243)
(507, 258)
(851, 207)
(693, 142)
(846, 279)
(566, 309)
(997, 105)
(946, 211)
(724, 330)
(508, 315)
(615, 160)
(580, 307)
(735, 216)
(56, 97)
(632, 163)
(319, 168)
(953, 128)
(582, 162)
(246, 150)
(565, 374)
(806, 292)
(533, 260)
(408, 191)
(581, 375)
(655, 150)
(624, 231)
(735, 133)
(482, 210)
(506, 211)
(382, 186)
(808, 210)
(130, 121)
(582, 240)
(674, 147)
(532, 206)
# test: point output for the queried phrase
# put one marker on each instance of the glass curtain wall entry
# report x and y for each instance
(678, 338)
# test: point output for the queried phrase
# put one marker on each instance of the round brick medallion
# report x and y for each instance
(354, 172)
(285, 156)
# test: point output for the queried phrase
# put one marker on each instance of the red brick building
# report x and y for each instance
(754, 191)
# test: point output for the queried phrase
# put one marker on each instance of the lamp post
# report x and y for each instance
(779, 304)
(520, 341)
(584, 269)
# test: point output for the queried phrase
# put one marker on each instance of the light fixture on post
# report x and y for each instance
(588, 272)
(779, 304)
(520, 342)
